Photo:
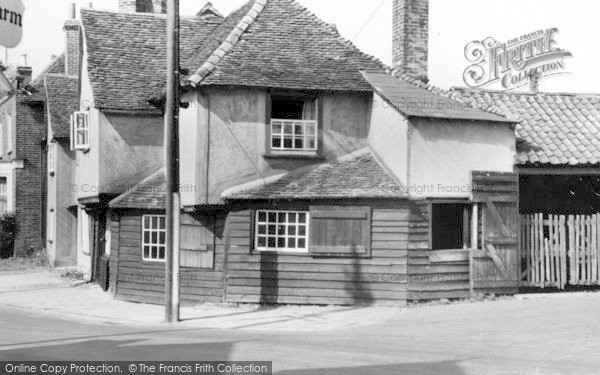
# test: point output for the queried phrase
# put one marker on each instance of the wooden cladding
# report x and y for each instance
(340, 231)
(197, 242)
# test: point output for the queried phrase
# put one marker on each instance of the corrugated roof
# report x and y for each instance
(554, 129)
(413, 100)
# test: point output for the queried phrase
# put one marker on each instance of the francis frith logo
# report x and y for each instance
(513, 63)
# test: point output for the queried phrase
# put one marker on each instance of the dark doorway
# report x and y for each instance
(447, 226)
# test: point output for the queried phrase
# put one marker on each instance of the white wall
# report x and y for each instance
(444, 153)
(388, 138)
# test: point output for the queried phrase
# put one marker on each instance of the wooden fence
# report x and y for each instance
(560, 250)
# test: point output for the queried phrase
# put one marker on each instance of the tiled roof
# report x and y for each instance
(148, 194)
(62, 100)
(280, 44)
(127, 54)
(413, 100)
(38, 94)
(555, 129)
(357, 175)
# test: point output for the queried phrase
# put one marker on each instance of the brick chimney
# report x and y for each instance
(24, 73)
(411, 37)
(143, 6)
(74, 43)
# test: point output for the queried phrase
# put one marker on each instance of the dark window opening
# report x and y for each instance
(287, 109)
(144, 6)
(293, 124)
(450, 226)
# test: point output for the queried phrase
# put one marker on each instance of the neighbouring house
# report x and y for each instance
(558, 137)
(22, 159)
(307, 175)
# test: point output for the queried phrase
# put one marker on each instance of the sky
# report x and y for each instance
(453, 24)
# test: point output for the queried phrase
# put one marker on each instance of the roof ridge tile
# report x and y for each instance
(228, 44)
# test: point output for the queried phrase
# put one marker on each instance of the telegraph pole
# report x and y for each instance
(172, 165)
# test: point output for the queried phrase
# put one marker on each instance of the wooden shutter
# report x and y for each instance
(495, 268)
(340, 231)
(197, 242)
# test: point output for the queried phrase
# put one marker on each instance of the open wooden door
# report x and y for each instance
(495, 264)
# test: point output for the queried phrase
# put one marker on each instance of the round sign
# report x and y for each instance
(11, 22)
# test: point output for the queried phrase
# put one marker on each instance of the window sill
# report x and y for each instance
(306, 155)
(280, 253)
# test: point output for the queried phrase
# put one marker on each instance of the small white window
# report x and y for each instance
(52, 158)
(80, 131)
(285, 231)
(294, 125)
(154, 238)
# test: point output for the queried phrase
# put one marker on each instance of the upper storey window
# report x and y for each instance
(294, 125)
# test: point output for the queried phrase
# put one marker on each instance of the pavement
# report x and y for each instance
(50, 293)
(541, 335)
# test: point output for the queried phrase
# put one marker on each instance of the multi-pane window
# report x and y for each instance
(154, 238)
(281, 231)
(80, 131)
(294, 125)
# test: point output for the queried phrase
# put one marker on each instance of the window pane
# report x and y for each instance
(272, 229)
(310, 129)
(288, 129)
(272, 242)
(163, 223)
(299, 143)
(154, 237)
(276, 142)
(281, 243)
(161, 254)
(154, 252)
(262, 216)
(276, 129)
(281, 217)
(272, 217)
(146, 222)
(262, 229)
(262, 241)
(292, 217)
(292, 243)
(301, 243)
(302, 217)
(302, 230)
(288, 143)
(146, 237)
(281, 230)
(162, 238)
(146, 252)
(292, 230)
(299, 129)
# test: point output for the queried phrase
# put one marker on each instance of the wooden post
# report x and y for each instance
(474, 242)
(171, 143)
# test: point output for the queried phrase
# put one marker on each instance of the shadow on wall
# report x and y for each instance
(356, 284)
(269, 279)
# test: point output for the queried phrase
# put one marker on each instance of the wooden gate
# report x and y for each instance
(560, 250)
(495, 265)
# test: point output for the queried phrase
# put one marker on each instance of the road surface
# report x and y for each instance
(556, 335)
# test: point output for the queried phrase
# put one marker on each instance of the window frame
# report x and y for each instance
(467, 212)
(150, 244)
(293, 153)
(75, 145)
(7, 194)
(287, 250)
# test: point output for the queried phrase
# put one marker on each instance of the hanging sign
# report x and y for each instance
(11, 22)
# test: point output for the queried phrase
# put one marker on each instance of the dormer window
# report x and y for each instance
(293, 126)
(80, 131)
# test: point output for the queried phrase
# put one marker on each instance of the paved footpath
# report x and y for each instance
(543, 335)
